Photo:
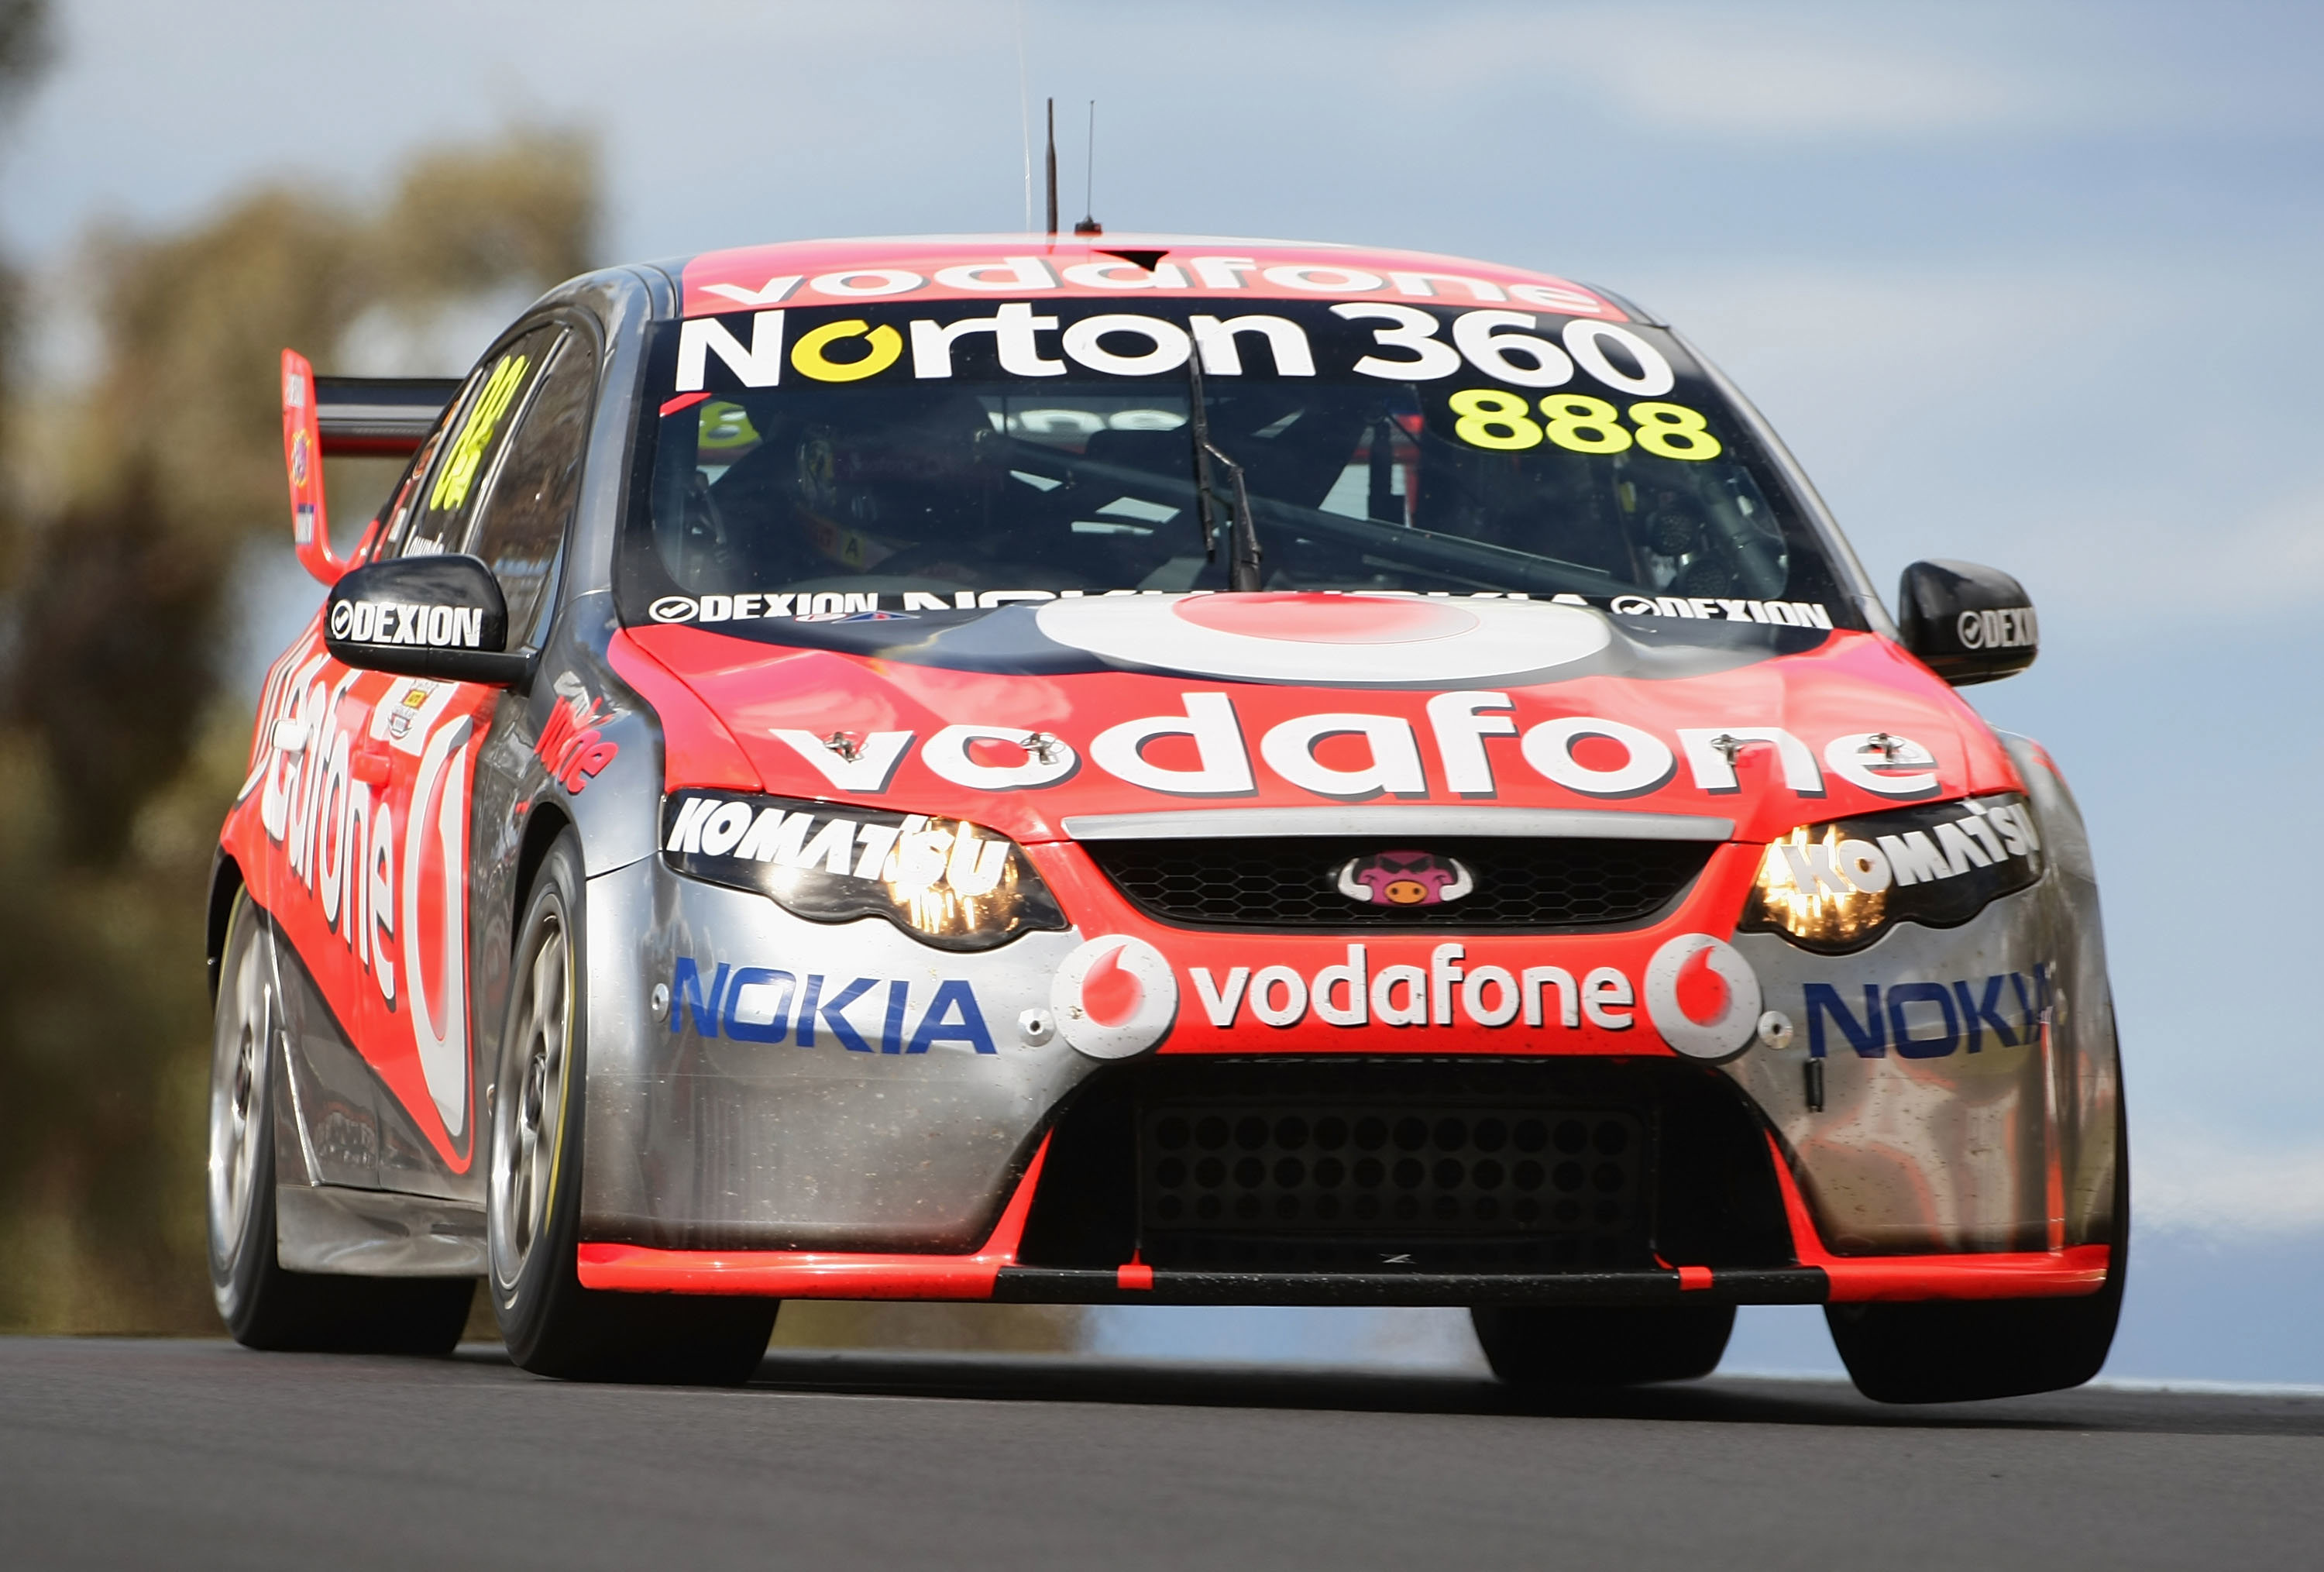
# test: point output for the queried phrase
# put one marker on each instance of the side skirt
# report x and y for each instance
(332, 1228)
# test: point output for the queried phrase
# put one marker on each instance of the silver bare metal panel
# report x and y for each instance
(376, 1233)
(1952, 1119)
(714, 1138)
(1399, 818)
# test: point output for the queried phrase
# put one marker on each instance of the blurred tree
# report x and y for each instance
(117, 754)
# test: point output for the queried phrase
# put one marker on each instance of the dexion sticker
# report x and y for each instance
(385, 622)
(1793, 613)
(2008, 628)
(772, 1004)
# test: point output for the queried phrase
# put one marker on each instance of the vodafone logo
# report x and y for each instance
(1114, 996)
(1702, 997)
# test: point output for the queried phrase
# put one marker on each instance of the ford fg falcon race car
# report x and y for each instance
(1142, 770)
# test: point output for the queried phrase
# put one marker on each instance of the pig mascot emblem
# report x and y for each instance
(1404, 879)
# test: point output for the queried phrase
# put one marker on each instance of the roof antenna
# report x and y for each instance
(1089, 224)
(1024, 114)
(1053, 169)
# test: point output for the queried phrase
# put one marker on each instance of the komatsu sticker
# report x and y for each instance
(1981, 837)
(861, 1014)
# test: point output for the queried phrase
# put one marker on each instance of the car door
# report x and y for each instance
(421, 740)
(523, 531)
(320, 866)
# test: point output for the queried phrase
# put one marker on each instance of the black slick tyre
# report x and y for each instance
(1569, 1347)
(552, 1325)
(263, 1304)
(1961, 1351)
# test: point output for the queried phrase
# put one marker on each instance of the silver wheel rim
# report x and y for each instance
(528, 1105)
(243, 1028)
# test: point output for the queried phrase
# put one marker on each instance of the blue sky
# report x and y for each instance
(2031, 285)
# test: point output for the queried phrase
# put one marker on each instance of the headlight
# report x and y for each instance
(944, 881)
(1835, 887)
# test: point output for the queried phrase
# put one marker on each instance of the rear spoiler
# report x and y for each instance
(379, 416)
(368, 416)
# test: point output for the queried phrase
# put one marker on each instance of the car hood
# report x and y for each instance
(1022, 718)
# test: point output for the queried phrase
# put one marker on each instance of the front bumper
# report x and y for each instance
(891, 1162)
(993, 1272)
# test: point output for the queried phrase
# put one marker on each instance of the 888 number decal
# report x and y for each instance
(1503, 421)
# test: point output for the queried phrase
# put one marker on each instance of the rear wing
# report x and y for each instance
(350, 416)
(379, 416)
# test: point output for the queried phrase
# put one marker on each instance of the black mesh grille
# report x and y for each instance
(1293, 883)
(1359, 1186)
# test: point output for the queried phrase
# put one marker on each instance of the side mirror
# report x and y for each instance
(425, 617)
(1967, 623)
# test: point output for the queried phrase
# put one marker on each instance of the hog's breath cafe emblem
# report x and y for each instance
(1404, 879)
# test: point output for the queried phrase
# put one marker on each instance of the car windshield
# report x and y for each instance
(852, 461)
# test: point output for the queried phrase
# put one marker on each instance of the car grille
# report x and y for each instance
(1293, 883)
(1370, 1186)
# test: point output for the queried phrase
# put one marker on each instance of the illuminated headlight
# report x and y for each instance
(944, 881)
(1836, 886)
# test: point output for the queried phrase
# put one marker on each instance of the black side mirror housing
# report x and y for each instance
(441, 616)
(1966, 623)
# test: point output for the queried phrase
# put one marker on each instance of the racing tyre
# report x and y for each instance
(263, 1305)
(1561, 1348)
(552, 1325)
(1959, 1351)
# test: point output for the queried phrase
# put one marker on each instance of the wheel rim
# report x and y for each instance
(238, 1122)
(528, 1105)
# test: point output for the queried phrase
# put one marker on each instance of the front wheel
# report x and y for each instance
(552, 1325)
(1563, 1347)
(263, 1304)
(1961, 1351)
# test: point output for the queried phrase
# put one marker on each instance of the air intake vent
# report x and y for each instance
(1302, 883)
(1370, 1186)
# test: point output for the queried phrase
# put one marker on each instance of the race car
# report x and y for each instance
(1142, 770)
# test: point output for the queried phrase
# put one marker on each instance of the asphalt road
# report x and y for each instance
(191, 1454)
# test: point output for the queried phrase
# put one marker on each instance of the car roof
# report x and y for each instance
(976, 267)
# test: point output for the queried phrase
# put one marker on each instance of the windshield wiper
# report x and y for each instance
(1242, 536)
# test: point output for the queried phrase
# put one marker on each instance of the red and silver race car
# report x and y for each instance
(1143, 770)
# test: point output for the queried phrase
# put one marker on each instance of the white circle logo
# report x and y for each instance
(1329, 639)
(342, 616)
(1114, 996)
(672, 608)
(1702, 997)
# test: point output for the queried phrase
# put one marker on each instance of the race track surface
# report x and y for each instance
(191, 1455)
